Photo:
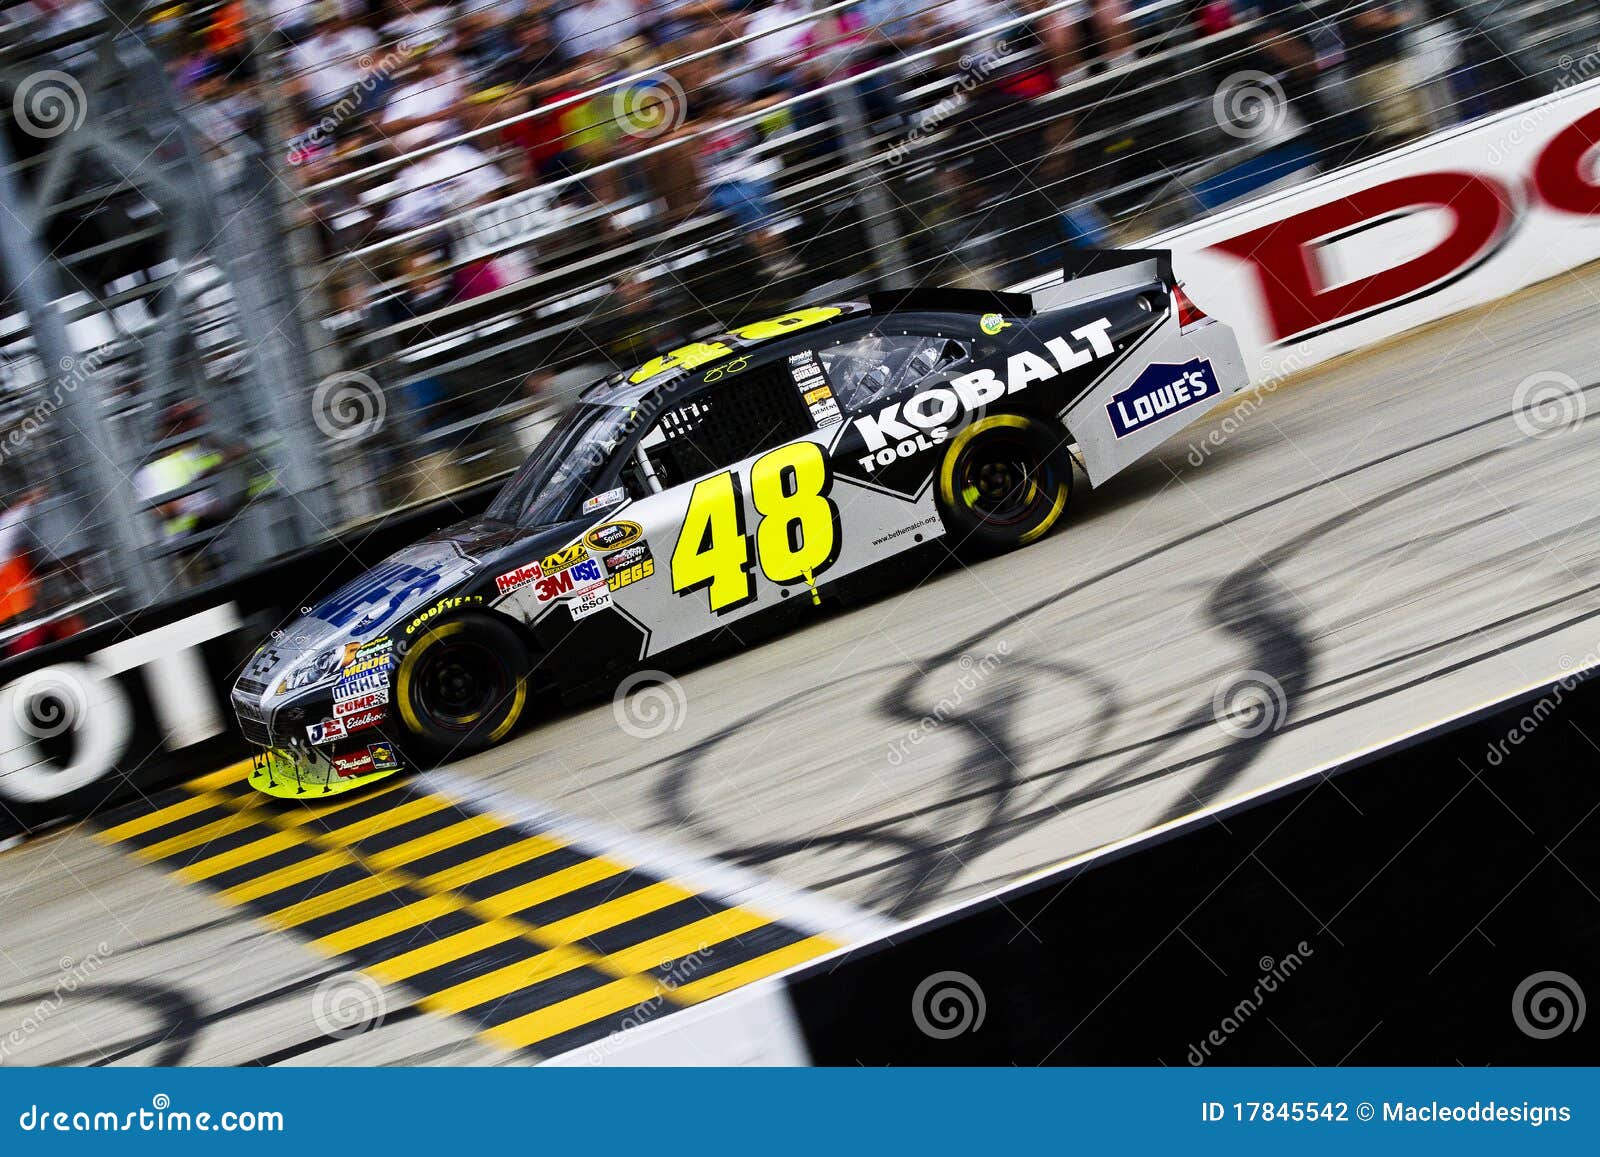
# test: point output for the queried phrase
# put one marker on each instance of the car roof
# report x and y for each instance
(626, 387)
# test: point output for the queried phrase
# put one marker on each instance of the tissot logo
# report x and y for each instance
(1160, 390)
(897, 430)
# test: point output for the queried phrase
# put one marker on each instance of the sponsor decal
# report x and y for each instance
(326, 731)
(632, 574)
(566, 582)
(613, 536)
(440, 608)
(369, 684)
(357, 762)
(565, 557)
(590, 600)
(366, 702)
(992, 323)
(366, 719)
(623, 559)
(813, 387)
(367, 658)
(1161, 390)
(603, 501)
(513, 579)
(383, 757)
(902, 429)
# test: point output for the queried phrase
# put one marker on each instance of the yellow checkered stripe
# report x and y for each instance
(541, 944)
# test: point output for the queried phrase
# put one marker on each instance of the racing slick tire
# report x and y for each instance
(1003, 482)
(462, 686)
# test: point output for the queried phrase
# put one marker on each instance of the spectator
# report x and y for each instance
(734, 184)
(1374, 40)
(425, 106)
(594, 28)
(191, 457)
(327, 64)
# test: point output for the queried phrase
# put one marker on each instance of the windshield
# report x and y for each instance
(560, 473)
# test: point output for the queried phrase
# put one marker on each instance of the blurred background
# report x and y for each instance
(272, 269)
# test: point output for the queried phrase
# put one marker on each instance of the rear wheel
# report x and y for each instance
(462, 686)
(1004, 482)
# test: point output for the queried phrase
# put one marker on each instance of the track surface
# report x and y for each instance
(1381, 545)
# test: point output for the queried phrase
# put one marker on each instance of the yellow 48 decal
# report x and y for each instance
(796, 537)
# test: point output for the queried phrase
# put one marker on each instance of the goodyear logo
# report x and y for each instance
(613, 536)
(439, 608)
(1162, 389)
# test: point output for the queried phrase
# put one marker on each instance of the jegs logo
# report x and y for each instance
(1160, 390)
(902, 429)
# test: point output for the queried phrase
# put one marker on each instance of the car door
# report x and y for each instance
(738, 507)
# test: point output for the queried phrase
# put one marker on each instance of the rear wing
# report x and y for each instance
(1090, 273)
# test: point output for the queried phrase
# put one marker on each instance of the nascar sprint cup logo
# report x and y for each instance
(902, 429)
(1161, 390)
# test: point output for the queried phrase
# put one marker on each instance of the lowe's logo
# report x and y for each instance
(1161, 390)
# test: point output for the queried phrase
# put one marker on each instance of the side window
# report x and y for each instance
(745, 413)
(871, 367)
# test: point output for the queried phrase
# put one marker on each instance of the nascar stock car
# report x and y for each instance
(745, 472)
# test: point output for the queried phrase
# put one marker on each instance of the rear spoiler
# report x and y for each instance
(1129, 267)
(1090, 273)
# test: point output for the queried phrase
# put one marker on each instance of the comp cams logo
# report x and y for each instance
(902, 429)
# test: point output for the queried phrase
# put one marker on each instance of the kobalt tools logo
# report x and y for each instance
(1161, 390)
(902, 429)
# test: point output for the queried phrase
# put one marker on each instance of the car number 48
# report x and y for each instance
(796, 536)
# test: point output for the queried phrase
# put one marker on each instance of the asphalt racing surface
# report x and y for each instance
(1359, 555)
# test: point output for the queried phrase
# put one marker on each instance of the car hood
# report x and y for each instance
(401, 586)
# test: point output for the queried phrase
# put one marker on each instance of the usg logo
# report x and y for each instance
(1162, 389)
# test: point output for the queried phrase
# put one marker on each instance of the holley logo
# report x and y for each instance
(1162, 389)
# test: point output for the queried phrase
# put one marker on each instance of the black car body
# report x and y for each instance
(725, 479)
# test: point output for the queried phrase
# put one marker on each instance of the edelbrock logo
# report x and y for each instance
(1161, 389)
(921, 421)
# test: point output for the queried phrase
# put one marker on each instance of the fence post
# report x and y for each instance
(877, 203)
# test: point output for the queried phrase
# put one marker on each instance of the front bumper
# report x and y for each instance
(306, 773)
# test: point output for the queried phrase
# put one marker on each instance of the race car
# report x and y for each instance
(751, 471)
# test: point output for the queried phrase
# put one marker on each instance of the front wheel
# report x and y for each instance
(1003, 483)
(461, 687)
